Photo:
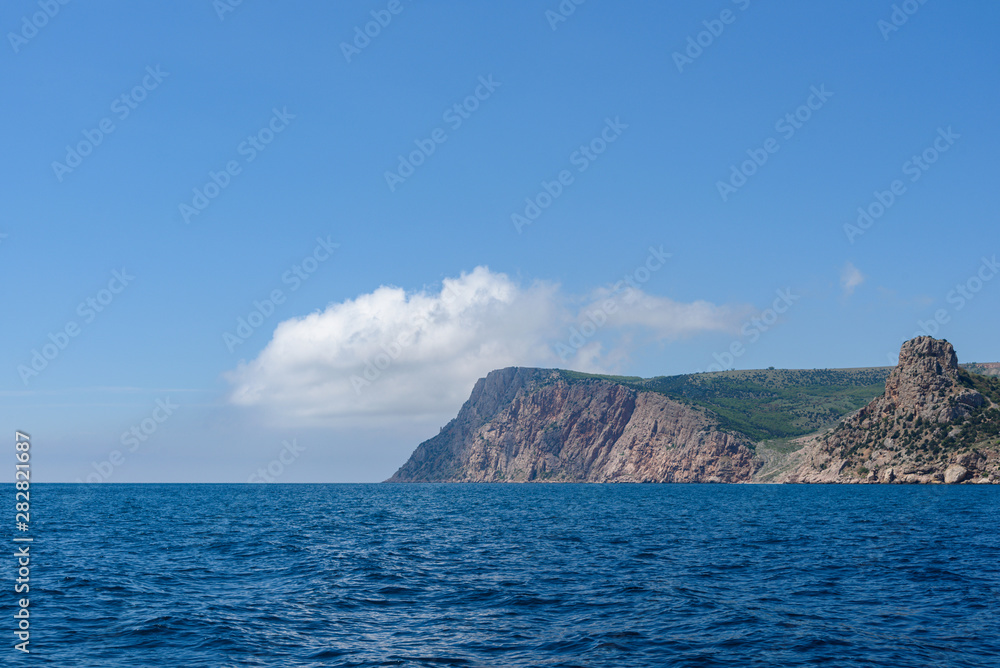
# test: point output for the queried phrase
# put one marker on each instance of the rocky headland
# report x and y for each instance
(927, 420)
(935, 422)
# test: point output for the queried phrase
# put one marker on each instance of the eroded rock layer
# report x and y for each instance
(524, 425)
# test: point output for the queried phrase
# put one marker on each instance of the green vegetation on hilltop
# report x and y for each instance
(579, 375)
(768, 403)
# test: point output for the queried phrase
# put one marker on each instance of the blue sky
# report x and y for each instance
(428, 279)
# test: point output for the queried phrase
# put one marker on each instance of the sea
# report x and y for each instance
(458, 575)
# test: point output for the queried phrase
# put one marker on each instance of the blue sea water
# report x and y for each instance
(511, 575)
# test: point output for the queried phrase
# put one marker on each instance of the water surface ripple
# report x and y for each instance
(513, 575)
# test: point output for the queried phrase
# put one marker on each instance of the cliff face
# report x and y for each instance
(930, 425)
(935, 422)
(549, 429)
(440, 458)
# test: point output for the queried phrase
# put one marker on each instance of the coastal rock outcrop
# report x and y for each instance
(932, 424)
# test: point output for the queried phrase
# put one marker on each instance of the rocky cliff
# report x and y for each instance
(524, 425)
(934, 422)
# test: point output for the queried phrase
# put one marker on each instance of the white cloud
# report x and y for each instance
(666, 318)
(850, 278)
(393, 354)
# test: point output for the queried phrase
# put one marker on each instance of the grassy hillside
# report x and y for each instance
(767, 404)
(983, 369)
